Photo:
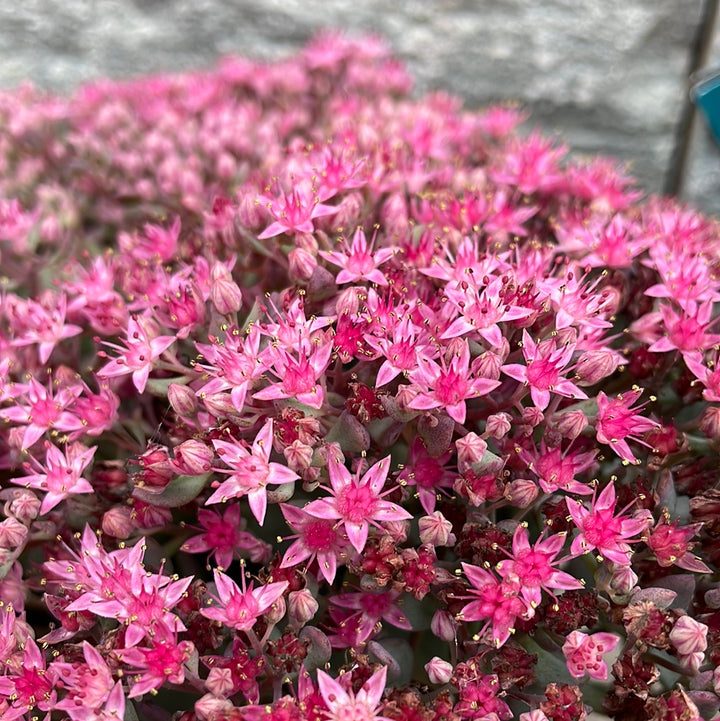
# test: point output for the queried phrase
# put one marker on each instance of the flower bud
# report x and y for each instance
(438, 670)
(532, 416)
(224, 291)
(298, 456)
(571, 424)
(302, 606)
(12, 533)
(436, 530)
(521, 492)
(276, 612)
(182, 400)
(594, 365)
(347, 301)
(710, 422)
(219, 682)
(470, 449)
(23, 505)
(193, 457)
(211, 707)
(498, 425)
(118, 522)
(689, 636)
(13, 589)
(302, 265)
(397, 530)
(443, 626)
(248, 210)
(219, 405)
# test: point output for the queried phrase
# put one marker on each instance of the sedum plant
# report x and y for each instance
(324, 402)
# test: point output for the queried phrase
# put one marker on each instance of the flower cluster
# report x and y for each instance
(320, 401)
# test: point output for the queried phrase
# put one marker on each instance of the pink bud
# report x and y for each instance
(302, 606)
(689, 636)
(470, 449)
(224, 291)
(276, 612)
(397, 530)
(532, 416)
(443, 626)
(521, 492)
(298, 456)
(119, 522)
(594, 365)
(571, 424)
(182, 400)
(710, 422)
(219, 682)
(347, 301)
(12, 533)
(219, 405)
(193, 457)
(438, 670)
(302, 264)
(211, 707)
(248, 210)
(498, 425)
(436, 530)
(349, 210)
(23, 505)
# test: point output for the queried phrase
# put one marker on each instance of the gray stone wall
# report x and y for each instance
(609, 77)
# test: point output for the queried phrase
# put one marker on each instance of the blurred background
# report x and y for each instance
(609, 77)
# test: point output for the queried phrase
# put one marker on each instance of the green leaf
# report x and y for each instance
(178, 492)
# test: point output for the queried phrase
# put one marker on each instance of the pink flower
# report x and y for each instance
(498, 603)
(142, 348)
(617, 421)
(344, 705)
(293, 212)
(239, 608)
(61, 475)
(584, 654)
(357, 502)
(357, 263)
(544, 362)
(448, 385)
(31, 685)
(224, 537)
(533, 566)
(602, 530)
(250, 472)
(154, 666)
(316, 538)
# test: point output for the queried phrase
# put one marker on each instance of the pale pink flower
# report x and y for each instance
(344, 705)
(250, 471)
(356, 502)
(584, 653)
(142, 349)
(293, 212)
(238, 607)
(316, 538)
(358, 262)
(61, 474)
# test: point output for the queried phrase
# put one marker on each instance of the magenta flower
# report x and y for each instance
(543, 365)
(370, 609)
(141, 350)
(618, 421)
(61, 476)
(344, 705)
(584, 653)
(497, 602)
(358, 262)
(448, 385)
(239, 608)
(223, 536)
(28, 686)
(602, 530)
(533, 566)
(357, 502)
(152, 667)
(250, 472)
